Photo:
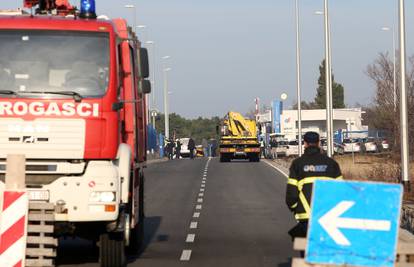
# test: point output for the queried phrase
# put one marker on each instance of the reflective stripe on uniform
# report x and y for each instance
(310, 180)
(292, 181)
(302, 216)
(304, 202)
(302, 198)
(294, 206)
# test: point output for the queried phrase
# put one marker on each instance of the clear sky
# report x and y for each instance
(226, 53)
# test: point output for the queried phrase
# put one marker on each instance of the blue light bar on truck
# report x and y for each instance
(88, 10)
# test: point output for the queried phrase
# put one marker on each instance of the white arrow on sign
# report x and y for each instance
(332, 222)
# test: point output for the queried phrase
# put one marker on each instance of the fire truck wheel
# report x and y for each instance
(137, 234)
(112, 250)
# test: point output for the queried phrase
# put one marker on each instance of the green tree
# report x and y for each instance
(198, 129)
(337, 91)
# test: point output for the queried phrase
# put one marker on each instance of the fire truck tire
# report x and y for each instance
(137, 234)
(112, 250)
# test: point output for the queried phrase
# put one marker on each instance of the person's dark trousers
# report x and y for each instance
(300, 230)
(191, 153)
(177, 155)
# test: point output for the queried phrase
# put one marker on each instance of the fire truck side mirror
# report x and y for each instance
(143, 63)
(145, 87)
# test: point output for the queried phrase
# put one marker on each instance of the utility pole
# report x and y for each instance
(298, 80)
(403, 100)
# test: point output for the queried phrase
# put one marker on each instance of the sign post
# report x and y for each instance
(13, 214)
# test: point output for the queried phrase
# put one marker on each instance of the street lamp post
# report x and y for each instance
(298, 80)
(144, 32)
(135, 13)
(394, 65)
(403, 99)
(152, 43)
(328, 81)
(166, 112)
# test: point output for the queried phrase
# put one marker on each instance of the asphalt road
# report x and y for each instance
(207, 213)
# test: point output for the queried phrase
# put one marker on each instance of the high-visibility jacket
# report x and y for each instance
(304, 171)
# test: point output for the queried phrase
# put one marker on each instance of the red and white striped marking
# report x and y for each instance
(13, 228)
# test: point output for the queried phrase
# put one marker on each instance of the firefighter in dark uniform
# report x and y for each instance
(311, 166)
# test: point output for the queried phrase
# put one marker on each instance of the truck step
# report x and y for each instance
(41, 244)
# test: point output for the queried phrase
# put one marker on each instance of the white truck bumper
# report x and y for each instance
(93, 196)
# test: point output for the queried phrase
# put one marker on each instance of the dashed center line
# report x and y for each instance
(190, 238)
(193, 225)
(186, 255)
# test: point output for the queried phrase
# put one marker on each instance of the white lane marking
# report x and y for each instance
(276, 168)
(185, 255)
(203, 185)
(190, 238)
(196, 215)
(201, 194)
(202, 189)
(200, 200)
(203, 182)
(199, 207)
(193, 225)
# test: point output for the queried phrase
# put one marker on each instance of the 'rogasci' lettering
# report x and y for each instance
(49, 109)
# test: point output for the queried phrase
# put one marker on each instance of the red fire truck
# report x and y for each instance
(72, 100)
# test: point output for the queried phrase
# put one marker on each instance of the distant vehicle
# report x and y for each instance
(352, 145)
(185, 152)
(372, 145)
(338, 148)
(199, 151)
(385, 144)
(293, 148)
(282, 148)
(238, 138)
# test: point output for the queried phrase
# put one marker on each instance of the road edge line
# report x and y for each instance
(276, 168)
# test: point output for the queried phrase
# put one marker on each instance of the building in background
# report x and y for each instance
(346, 123)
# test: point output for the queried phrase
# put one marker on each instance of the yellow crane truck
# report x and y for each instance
(238, 138)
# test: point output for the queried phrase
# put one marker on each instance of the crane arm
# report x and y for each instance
(239, 126)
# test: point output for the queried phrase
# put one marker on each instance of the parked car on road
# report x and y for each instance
(338, 148)
(293, 148)
(282, 147)
(372, 145)
(352, 145)
(384, 144)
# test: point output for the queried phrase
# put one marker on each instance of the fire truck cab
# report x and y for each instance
(72, 100)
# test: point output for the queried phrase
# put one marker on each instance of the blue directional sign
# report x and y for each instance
(354, 223)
